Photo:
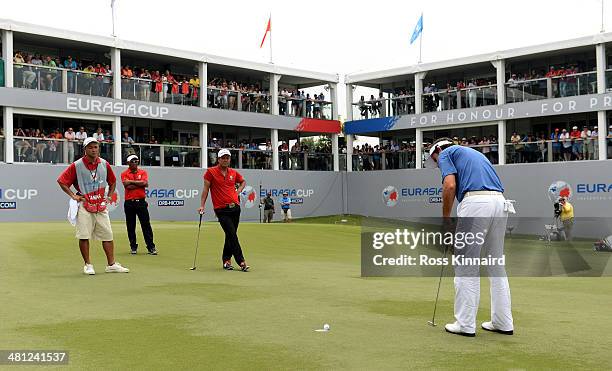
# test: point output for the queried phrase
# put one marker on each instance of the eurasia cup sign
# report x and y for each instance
(559, 189)
(389, 196)
(248, 197)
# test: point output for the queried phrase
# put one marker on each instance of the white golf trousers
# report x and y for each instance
(484, 213)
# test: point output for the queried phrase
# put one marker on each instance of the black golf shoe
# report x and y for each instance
(244, 267)
(228, 266)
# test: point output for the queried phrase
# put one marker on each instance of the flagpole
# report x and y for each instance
(602, 17)
(421, 40)
(113, 16)
(270, 20)
(420, 46)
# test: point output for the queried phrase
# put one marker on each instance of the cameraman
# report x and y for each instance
(567, 217)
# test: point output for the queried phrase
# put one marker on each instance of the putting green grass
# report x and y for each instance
(163, 316)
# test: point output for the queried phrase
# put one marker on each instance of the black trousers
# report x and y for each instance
(138, 208)
(229, 219)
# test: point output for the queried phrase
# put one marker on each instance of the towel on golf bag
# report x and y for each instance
(509, 206)
(73, 208)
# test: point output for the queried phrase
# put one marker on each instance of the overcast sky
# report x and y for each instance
(329, 36)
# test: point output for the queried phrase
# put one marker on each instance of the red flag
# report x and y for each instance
(268, 29)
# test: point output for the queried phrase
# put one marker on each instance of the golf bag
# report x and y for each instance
(603, 245)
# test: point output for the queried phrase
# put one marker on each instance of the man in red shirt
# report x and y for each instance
(135, 181)
(221, 180)
(90, 175)
(576, 143)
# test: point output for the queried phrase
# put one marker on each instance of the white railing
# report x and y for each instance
(59, 79)
(303, 107)
(54, 151)
(164, 155)
(149, 90)
(237, 100)
(244, 158)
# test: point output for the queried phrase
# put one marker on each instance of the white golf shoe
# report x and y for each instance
(455, 328)
(489, 327)
(88, 269)
(116, 268)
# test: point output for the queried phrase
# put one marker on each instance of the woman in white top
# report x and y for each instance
(98, 135)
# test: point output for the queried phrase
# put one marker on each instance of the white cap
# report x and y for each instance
(575, 128)
(224, 152)
(430, 163)
(132, 157)
(89, 140)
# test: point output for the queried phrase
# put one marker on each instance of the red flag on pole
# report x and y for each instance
(268, 29)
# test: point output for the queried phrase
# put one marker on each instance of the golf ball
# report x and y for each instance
(326, 327)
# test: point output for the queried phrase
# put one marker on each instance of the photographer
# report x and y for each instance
(268, 203)
(566, 215)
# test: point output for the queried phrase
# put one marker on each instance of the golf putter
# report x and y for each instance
(433, 318)
(193, 268)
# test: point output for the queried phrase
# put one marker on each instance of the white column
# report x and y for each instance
(602, 131)
(8, 135)
(336, 152)
(203, 76)
(501, 142)
(116, 67)
(7, 53)
(418, 92)
(203, 142)
(333, 91)
(349, 104)
(500, 67)
(600, 58)
(600, 61)
(349, 152)
(419, 149)
(274, 140)
(117, 138)
(274, 79)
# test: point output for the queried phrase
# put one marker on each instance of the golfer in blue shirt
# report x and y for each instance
(468, 176)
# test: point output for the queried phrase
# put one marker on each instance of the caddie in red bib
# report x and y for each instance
(91, 176)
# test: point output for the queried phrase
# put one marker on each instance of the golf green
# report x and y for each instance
(162, 315)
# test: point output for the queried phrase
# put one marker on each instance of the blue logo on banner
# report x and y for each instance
(171, 203)
(12, 205)
(370, 125)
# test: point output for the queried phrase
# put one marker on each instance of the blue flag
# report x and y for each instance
(418, 29)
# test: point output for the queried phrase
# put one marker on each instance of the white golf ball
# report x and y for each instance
(326, 327)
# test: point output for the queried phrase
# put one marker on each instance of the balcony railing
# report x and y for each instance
(159, 92)
(54, 151)
(384, 160)
(574, 84)
(302, 107)
(244, 158)
(551, 87)
(237, 100)
(554, 150)
(306, 161)
(471, 97)
(164, 155)
(57, 79)
(383, 107)
(527, 90)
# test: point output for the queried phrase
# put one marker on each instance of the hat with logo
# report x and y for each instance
(224, 152)
(430, 163)
(89, 140)
(131, 158)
